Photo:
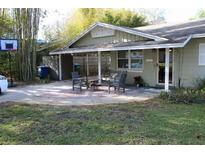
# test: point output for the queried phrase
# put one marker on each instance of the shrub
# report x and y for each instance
(187, 95)
(200, 83)
(184, 95)
(139, 81)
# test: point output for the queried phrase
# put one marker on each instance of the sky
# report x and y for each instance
(179, 14)
(172, 15)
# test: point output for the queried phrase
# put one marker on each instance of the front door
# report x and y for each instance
(161, 66)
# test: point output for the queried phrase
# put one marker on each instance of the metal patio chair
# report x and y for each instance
(118, 81)
(78, 82)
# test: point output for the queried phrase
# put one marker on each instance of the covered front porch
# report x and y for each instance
(135, 51)
(153, 65)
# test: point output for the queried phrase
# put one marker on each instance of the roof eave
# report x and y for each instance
(170, 45)
(202, 35)
(141, 47)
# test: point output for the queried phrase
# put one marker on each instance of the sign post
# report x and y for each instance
(9, 45)
(10, 70)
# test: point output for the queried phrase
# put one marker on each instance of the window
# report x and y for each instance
(130, 59)
(136, 59)
(202, 54)
(122, 59)
(162, 55)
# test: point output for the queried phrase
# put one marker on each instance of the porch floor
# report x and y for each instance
(61, 93)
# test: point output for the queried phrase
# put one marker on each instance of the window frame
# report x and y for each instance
(122, 59)
(129, 61)
(137, 69)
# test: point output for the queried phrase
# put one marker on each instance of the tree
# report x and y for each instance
(26, 27)
(52, 32)
(200, 14)
(21, 24)
(5, 23)
(79, 21)
(154, 16)
(123, 17)
(6, 31)
(83, 18)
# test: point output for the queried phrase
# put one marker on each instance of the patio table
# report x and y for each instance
(94, 83)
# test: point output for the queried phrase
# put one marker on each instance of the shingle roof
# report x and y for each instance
(177, 36)
(176, 32)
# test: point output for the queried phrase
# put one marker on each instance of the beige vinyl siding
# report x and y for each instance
(117, 37)
(149, 72)
(176, 67)
(113, 65)
(149, 68)
(190, 70)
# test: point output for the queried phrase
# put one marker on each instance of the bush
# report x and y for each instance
(184, 95)
(139, 81)
(187, 95)
(200, 83)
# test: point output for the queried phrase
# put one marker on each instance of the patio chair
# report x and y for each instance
(118, 81)
(77, 81)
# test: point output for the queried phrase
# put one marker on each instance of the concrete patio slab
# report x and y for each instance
(60, 93)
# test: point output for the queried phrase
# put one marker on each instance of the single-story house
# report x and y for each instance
(163, 55)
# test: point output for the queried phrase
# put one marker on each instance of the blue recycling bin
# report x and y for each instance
(43, 71)
(77, 68)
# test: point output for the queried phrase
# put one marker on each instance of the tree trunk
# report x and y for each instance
(27, 24)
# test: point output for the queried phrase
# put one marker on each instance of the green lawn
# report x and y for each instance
(153, 122)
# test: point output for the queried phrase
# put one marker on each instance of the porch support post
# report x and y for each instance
(166, 85)
(99, 68)
(60, 67)
(87, 63)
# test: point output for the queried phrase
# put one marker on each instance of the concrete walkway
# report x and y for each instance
(60, 93)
